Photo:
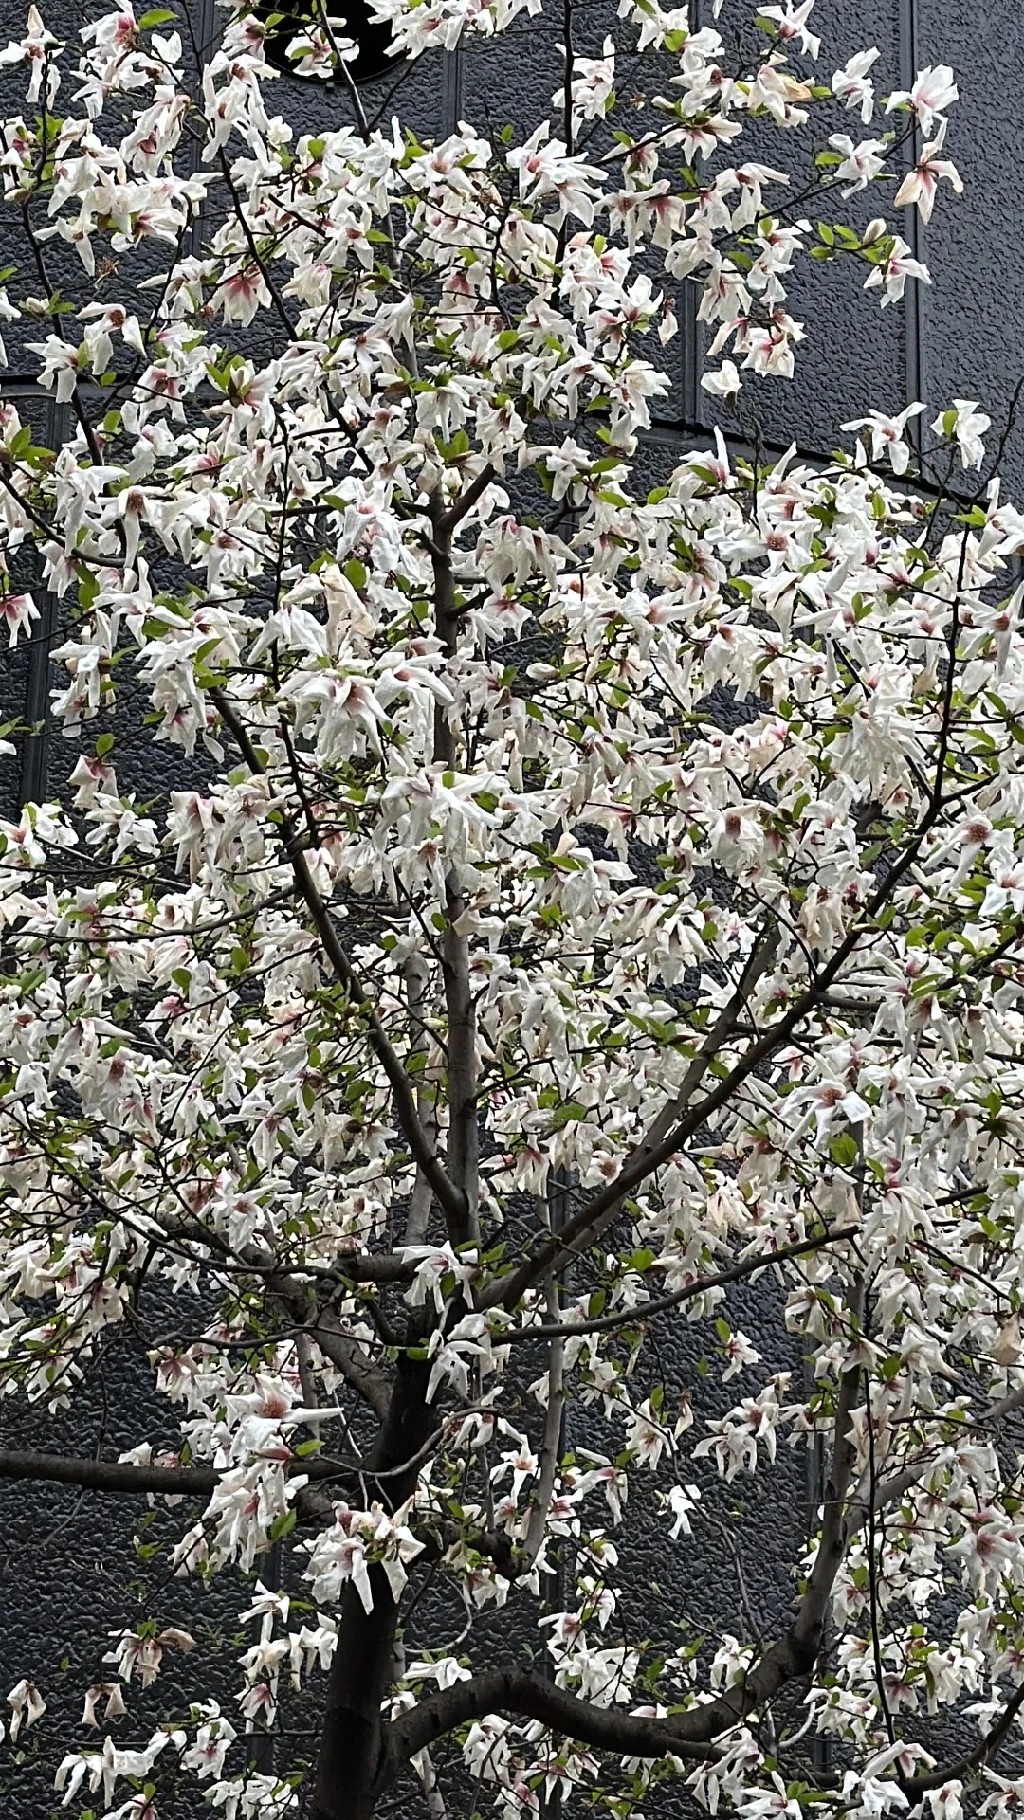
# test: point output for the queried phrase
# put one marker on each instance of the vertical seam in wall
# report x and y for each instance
(822, 1748)
(32, 785)
(913, 308)
(451, 91)
(261, 1746)
(693, 358)
(206, 31)
(690, 327)
(206, 15)
(554, 1594)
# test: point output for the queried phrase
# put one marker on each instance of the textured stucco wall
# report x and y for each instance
(62, 1572)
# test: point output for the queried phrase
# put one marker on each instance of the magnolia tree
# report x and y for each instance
(482, 1010)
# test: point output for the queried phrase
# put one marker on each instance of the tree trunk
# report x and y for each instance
(350, 1764)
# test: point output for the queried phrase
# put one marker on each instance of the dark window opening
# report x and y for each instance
(286, 23)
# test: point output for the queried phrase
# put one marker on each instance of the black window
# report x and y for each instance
(286, 22)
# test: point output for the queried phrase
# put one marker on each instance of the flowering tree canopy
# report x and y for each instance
(488, 1001)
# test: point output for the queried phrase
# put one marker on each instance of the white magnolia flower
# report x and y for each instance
(965, 424)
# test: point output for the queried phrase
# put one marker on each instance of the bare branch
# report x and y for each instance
(418, 1222)
(672, 1126)
(915, 1786)
(645, 1311)
(467, 499)
(680, 1121)
(463, 1117)
(891, 1490)
(834, 1532)
(549, 1450)
(452, 1199)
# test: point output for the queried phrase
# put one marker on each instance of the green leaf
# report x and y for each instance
(640, 1260)
(88, 590)
(843, 1150)
(569, 1114)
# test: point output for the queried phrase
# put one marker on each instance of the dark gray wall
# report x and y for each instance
(59, 1593)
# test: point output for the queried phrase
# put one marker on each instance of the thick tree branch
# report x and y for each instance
(892, 1489)
(348, 1357)
(512, 1690)
(529, 1696)
(111, 1475)
(372, 1267)
(124, 1476)
(370, 1383)
(123, 1479)
(1005, 1407)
